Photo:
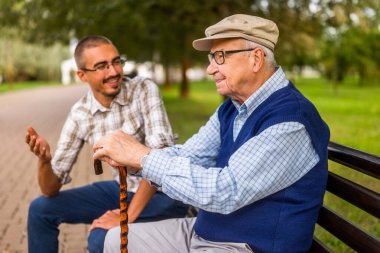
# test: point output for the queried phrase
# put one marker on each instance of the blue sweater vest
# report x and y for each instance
(284, 221)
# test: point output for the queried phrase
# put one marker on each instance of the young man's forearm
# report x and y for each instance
(139, 201)
(47, 180)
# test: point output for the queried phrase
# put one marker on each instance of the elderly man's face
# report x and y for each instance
(233, 77)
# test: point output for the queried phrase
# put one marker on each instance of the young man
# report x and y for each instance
(258, 168)
(133, 105)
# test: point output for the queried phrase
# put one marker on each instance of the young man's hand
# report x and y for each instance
(38, 145)
(107, 221)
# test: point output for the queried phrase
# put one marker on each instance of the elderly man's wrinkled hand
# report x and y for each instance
(120, 149)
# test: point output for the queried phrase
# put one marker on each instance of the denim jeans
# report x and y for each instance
(83, 205)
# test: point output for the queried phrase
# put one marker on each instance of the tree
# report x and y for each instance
(140, 29)
(21, 61)
(300, 29)
(151, 30)
(349, 39)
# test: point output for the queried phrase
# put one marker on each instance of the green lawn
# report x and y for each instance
(23, 85)
(187, 116)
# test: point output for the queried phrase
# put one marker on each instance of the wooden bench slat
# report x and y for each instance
(358, 160)
(354, 193)
(347, 232)
(318, 247)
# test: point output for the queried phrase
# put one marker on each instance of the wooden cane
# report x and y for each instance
(123, 210)
(123, 203)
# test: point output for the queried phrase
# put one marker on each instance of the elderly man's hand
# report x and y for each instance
(120, 148)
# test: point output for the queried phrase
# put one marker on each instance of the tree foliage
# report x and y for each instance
(324, 34)
(350, 39)
(22, 61)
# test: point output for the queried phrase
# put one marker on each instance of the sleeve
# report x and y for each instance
(157, 128)
(67, 151)
(265, 164)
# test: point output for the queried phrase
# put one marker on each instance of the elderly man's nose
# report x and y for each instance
(212, 68)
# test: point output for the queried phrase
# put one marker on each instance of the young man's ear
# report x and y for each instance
(82, 76)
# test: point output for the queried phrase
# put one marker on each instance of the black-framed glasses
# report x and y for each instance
(219, 56)
(102, 66)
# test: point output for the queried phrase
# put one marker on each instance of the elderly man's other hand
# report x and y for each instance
(120, 149)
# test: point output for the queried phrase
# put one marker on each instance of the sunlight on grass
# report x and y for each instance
(352, 114)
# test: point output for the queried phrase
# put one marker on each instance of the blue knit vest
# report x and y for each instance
(284, 221)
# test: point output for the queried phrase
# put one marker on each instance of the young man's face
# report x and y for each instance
(105, 83)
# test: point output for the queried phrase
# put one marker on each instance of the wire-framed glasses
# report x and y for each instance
(102, 66)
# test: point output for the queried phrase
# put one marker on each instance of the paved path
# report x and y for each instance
(45, 109)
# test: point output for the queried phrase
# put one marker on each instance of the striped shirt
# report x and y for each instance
(138, 110)
(265, 164)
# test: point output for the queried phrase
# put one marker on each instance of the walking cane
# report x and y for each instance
(123, 204)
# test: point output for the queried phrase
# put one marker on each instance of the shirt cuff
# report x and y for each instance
(155, 166)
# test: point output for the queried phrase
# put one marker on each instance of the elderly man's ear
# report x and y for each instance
(257, 58)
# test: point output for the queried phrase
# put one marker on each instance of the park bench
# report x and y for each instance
(360, 196)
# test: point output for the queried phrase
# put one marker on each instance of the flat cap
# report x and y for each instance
(252, 28)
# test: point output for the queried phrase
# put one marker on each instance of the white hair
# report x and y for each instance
(270, 61)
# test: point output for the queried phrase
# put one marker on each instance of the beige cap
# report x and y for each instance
(256, 29)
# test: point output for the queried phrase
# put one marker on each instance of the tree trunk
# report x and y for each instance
(184, 92)
(9, 72)
(167, 83)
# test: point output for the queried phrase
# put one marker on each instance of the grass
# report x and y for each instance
(23, 85)
(187, 116)
(351, 112)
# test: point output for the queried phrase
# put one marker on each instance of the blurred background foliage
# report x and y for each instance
(21, 61)
(337, 38)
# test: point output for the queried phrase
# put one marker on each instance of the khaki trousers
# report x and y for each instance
(168, 236)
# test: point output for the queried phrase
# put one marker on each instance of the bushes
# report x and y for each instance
(26, 62)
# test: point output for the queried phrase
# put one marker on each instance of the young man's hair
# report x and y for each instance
(88, 42)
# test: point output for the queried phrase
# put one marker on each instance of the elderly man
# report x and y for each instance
(257, 170)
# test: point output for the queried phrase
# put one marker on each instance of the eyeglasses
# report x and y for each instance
(102, 66)
(219, 56)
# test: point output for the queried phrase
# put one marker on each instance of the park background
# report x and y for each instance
(329, 49)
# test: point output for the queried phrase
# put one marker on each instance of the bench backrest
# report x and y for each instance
(354, 193)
